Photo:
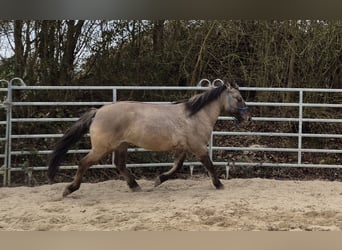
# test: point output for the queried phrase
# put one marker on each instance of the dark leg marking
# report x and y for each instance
(120, 163)
(210, 167)
(178, 163)
(85, 163)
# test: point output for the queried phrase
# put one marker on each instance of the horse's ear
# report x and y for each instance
(227, 84)
(234, 85)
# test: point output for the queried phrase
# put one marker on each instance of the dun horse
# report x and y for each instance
(183, 128)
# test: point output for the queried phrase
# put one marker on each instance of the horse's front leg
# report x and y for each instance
(201, 152)
(208, 164)
(178, 163)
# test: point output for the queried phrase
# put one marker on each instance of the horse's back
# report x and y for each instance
(127, 111)
(152, 126)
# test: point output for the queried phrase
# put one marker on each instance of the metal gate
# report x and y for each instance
(10, 100)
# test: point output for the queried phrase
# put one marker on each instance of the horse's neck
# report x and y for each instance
(212, 111)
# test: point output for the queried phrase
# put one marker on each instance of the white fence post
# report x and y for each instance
(7, 105)
(300, 126)
(115, 99)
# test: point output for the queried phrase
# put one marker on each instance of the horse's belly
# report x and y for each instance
(159, 145)
(155, 142)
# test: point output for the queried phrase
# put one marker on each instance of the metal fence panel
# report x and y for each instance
(7, 121)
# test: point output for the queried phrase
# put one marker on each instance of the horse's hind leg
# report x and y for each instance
(178, 163)
(86, 162)
(120, 163)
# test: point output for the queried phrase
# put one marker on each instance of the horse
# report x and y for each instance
(183, 127)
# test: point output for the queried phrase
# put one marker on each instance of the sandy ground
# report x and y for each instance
(190, 205)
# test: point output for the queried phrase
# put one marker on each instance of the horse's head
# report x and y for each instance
(235, 105)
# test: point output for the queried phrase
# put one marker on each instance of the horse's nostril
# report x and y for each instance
(249, 118)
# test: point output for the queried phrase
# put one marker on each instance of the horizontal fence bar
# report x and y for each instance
(44, 119)
(322, 105)
(292, 165)
(32, 136)
(169, 164)
(264, 104)
(304, 150)
(222, 133)
(222, 118)
(325, 90)
(274, 119)
(130, 165)
(322, 120)
(322, 135)
(45, 152)
(276, 134)
(72, 103)
(107, 88)
(72, 151)
(267, 89)
(273, 104)
(290, 104)
(59, 103)
(247, 149)
(254, 133)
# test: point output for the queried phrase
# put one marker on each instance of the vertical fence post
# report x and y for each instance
(211, 146)
(300, 126)
(191, 170)
(228, 167)
(9, 126)
(115, 98)
(8, 105)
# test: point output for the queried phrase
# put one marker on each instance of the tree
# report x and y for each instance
(69, 45)
(158, 36)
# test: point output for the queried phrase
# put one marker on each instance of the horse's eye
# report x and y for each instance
(239, 99)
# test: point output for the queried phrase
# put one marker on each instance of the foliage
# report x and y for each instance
(255, 53)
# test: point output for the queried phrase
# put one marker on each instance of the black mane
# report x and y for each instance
(195, 104)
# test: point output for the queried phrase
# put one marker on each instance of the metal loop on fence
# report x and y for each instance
(217, 83)
(3, 80)
(214, 84)
(200, 83)
(21, 81)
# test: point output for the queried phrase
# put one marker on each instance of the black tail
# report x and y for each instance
(71, 136)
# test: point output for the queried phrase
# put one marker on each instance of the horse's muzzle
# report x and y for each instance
(244, 115)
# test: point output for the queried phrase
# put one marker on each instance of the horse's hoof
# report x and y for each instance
(136, 189)
(70, 189)
(160, 179)
(219, 186)
(157, 182)
(66, 192)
